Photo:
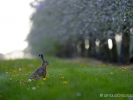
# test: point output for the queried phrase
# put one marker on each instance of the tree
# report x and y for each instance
(58, 26)
(126, 22)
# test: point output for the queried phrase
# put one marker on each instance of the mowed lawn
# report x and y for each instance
(64, 81)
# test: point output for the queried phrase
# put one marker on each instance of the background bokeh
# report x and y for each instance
(74, 28)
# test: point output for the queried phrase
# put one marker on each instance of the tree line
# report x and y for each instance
(71, 28)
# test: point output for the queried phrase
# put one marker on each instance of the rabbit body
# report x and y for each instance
(41, 71)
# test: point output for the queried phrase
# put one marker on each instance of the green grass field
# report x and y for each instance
(64, 81)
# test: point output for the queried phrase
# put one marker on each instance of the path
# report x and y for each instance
(97, 62)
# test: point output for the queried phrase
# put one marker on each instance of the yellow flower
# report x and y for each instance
(99, 65)
(26, 74)
(42, 83)
(65, 82)
(24, 81)
(0, 96)
(44, 79)
(11, 79)
(60, 75)
(111, 73)
(14, 71)
(123, 68)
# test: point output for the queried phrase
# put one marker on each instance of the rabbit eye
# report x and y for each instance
(46, 61)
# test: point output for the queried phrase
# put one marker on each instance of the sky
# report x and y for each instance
(14, 24)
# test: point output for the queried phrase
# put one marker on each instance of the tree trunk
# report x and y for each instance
(104, 50)
(125, 46)
(69, 51)
(82, 46)
(92, 48)
(113, 52)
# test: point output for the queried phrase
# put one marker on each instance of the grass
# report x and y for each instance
(64, 81)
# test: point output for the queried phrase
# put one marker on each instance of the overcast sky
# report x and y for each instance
(14, 24)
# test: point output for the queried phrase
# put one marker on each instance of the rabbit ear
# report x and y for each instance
(41, 57)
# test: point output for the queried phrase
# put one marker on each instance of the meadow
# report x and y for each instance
(64, 81)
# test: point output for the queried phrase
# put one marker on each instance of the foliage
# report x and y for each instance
(64, 81)
(60, 21)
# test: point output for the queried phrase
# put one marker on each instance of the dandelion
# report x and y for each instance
(20, 69)
(14, 71)
(21, 82)
(0, 96)
(44, 79)
(11, 79)
(99, 65)
(42, 83)
(111, 73)
(33, 88)
(123, 68)
(29, 80)
(60, 75)
(65, 82)
(26, 74)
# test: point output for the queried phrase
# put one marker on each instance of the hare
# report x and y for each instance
(41, 71)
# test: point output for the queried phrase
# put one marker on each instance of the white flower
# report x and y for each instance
(29, 80)
(33, 88)
(20, 69)
(78, 94)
